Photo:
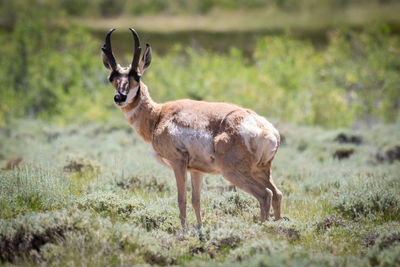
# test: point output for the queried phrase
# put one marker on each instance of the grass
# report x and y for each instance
(120, 208)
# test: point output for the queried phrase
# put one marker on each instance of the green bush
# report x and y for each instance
(32, 189)
(110, 204)
(30, 232)
(377, 198)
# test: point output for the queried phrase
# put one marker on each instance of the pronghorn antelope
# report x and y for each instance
(197, 136)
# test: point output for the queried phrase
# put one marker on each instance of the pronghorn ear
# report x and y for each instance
(106, 61)
(146, 59)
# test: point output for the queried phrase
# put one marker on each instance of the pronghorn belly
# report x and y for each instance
(197, 144)
(160, 159)
(260, 137)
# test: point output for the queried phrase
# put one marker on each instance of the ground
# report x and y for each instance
(92, 194)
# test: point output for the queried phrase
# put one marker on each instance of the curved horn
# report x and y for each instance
(136, 51)
(107, 50)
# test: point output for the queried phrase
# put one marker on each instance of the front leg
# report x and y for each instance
(181, 180)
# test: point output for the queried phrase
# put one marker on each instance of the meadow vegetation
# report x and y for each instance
(340, 211)
(79, 187)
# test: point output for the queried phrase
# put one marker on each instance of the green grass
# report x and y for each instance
(342, 212)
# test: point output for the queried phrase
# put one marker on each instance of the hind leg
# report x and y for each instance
(248, 184)
(264, 176)
(276, 198)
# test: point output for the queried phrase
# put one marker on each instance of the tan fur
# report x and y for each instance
(203, 137)
(228, 154)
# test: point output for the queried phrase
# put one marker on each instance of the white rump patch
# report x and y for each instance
(259, 136)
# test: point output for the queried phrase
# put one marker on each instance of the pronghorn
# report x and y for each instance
(197, 136)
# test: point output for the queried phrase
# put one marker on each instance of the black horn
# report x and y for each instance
(107, 50)
(136, 51)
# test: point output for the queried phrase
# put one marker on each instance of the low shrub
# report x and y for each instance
(386, 250)
(150, 183)
(377, 198)
(328, 222)
(32, 189)
(234, 203)
(31, 231)
(157, 217)
(288, 230)
(110, 204)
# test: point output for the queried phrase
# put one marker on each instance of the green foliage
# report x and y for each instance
(32, 189)
(152, 217)
(44, 65)
(55, 73)
(127, 213)
(377, 198)
(29, 232)
(110, 204)
(234, 203)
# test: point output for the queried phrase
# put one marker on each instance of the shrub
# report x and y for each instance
(150, 183)
(157, 216)
(377, 198)
(31, 231)
(234, 203)
(386, 251)
(32, 189)
(110, 204)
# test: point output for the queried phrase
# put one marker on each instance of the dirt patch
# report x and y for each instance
(343, 153)
(390, 155)
(288, 232)
(328, 222)
(80, 164)
(12, 163)
(370, 239)
(348, 139)
(149, 183)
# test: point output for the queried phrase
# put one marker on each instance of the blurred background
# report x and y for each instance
(316, 62)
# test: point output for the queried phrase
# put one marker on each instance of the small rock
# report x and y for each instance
(348, 139)
(343, 153)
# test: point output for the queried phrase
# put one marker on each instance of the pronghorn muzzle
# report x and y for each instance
(119, 98)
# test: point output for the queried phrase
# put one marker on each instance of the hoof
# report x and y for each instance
(282, 218)
(181, 235)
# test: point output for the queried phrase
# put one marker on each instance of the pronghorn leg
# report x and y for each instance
(267, 181)
(248, 184)
(197, 179)
(276, 198)
(181, 180)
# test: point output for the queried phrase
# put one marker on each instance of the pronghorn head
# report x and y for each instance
(126, 80)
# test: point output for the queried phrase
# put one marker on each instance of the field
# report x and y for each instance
(94, 195)
(79, 187)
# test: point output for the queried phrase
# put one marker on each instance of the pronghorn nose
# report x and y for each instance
(118, 98)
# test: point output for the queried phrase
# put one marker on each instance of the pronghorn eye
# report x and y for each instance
(113, 75)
